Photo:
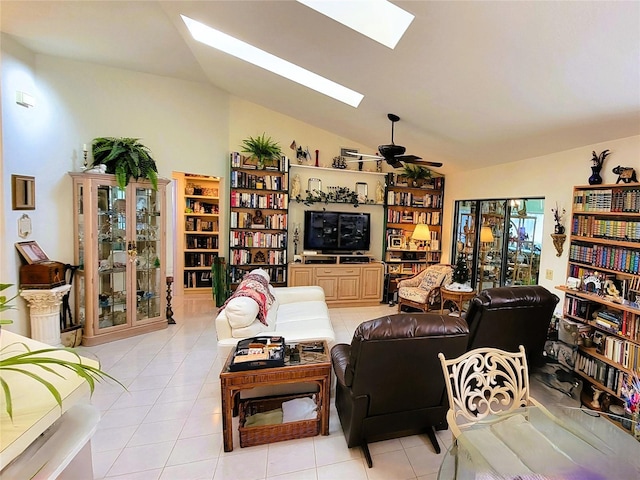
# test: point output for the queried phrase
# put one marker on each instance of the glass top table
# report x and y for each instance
(571, 443)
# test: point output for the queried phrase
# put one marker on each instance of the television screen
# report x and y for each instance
(336, 231)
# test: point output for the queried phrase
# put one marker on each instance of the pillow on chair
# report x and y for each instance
(434, 276)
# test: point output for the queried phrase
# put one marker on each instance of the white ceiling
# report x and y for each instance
(475, 83)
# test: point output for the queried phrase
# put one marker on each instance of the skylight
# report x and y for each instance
(242, 50)
(379, 20)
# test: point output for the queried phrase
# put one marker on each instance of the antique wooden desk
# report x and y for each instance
(312, 368)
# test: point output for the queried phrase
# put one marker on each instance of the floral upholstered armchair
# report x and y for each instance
(422, 291)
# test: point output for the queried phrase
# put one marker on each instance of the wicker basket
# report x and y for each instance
(250, 436)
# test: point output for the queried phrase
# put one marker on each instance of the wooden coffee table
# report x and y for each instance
(312, 368)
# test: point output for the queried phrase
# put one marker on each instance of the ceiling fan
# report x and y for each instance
(393, 154)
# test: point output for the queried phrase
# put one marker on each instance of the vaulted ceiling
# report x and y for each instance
(475, 83)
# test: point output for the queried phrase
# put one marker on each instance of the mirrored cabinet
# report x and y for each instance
(120, 250)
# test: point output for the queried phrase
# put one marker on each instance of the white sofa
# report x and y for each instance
(297, 314)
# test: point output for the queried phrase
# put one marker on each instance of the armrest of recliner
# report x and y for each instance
(340, 360)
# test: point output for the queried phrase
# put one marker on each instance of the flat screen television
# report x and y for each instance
(336, 232)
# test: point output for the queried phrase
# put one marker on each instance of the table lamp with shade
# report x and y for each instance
(422, 234)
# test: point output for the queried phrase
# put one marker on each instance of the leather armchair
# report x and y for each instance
(507, 317)
(389, 380)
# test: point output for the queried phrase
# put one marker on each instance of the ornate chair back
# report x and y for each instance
(484, 382)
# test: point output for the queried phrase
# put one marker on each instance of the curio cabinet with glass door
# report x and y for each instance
(120, 250)
(500, 241)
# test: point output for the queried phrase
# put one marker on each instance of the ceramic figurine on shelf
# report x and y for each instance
(295, 186)
(379, 193)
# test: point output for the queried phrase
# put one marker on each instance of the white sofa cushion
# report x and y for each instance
(241, 312)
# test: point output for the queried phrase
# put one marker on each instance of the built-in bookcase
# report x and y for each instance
(259, 202)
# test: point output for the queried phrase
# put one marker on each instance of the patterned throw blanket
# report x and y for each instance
(254, 286)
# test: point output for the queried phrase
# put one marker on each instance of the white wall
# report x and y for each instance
(19, 156)
(552, 177)
(185, 124)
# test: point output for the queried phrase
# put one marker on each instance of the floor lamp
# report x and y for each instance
(422, 235)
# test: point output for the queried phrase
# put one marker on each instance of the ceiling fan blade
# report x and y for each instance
(358, 160)
(407, 158)
(394, 163)
(365, 155)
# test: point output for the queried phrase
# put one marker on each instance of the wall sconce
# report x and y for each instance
(558, 242)
(25, 100)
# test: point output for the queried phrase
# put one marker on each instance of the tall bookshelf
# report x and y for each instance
(406, 206)
(605, 250)
(258, 219)
(199, 226)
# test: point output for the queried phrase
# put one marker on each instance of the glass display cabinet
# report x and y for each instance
(120, 250)
(500, 240)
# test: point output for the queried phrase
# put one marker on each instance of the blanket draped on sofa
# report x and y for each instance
(256, 287)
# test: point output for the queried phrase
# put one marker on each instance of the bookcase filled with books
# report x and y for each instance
(603, 286)
(258, 218)
(198, 222)
(406, 206)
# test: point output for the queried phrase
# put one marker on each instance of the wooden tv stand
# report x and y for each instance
(347, 280)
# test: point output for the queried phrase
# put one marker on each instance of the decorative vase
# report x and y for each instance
(595, 178)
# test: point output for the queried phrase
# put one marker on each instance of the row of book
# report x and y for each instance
(605, 374)
(428, 218)
(196, 206)
(199, 225)
(408, 199)
(401, 180)
(607, 200)
(612, 258)
(622, 351)
(622, 230)
(277, 274)
(205, 242)
(197, 279)
(247, 257)
(241, 161)
(274, 221)
(278, 201)
(577, 307)
(610, 320)
(198, 259)
(240, 179)
(258, 239)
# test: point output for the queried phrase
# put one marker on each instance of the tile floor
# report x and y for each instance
(168, 424)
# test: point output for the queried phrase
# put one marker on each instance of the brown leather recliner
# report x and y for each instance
(389, 380)
(507, 317)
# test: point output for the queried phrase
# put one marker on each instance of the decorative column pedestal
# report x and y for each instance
(44, 307)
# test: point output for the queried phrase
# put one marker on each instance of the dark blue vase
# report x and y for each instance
(595, 178)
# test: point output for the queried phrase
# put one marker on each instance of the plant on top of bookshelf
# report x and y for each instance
(416, 174)
(263, 148)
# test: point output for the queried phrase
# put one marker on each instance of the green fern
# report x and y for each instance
(126, 158)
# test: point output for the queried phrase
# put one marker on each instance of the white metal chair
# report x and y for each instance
(483, 382)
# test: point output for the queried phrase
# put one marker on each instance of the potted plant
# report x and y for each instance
(126, 158)
(4, 303)
(263, 148)
(416, 174)
(16, 356)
